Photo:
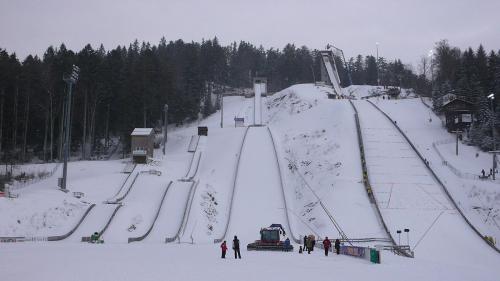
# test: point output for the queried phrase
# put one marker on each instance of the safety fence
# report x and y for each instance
(18, 184)
(367, 184)
(453, 169)
(434, 175)
(235, 178)
(140, 238)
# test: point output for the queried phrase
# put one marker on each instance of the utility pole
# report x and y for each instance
(431, 56)
(165, 123)
(70, 80)
(457, 132)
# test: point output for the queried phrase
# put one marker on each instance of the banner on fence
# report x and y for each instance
(370, 254)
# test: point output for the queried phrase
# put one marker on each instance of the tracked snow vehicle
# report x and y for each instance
(270, 240)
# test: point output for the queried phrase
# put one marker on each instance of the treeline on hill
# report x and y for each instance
(473, 75)
(125, 88)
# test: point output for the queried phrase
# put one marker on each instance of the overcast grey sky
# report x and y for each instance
(404, 29)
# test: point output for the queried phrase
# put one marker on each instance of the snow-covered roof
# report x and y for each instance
(142, 132)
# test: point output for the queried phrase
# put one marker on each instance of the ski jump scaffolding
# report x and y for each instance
(329, 73)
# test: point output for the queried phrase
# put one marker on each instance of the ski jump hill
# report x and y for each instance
(328, 167)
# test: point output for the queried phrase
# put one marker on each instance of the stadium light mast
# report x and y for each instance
(165, 123)
(70, 80)
(378, 76)
(491, 97)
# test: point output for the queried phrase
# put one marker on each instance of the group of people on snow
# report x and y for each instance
(484, 176)
(236, 248)
(309, 243)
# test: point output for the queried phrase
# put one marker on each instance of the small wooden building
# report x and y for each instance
(458, 112)
(142, 144)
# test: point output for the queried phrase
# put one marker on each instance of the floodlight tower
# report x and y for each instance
(70, 80)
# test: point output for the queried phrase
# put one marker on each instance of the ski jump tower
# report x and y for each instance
(329, 73)
(260, 89)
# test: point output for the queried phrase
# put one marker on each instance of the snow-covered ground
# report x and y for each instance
(478, 199)
(318, 153)
(318, 148)
(409, 197)
(139, 261)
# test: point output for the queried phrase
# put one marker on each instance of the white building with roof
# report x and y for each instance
(142, 144)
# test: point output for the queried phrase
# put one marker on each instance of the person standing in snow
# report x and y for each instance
(309, 244)
(337, 246)
(224, 249)
(326, 245)
(236, 247)
(305, 242)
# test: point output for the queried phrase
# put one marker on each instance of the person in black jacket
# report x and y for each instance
(236, 247)
(337, 246)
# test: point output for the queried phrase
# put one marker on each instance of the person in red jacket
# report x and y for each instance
(223, 247)
(326, 245)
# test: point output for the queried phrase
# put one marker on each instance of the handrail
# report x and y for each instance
(366, 179)
(125, 181)
(235, 178)
(437, 179)
(177, 234)
(296, 240)
(64, 236)
(140, 238)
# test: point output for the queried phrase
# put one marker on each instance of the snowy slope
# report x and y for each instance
(258, 189)
(208, 216)
(318, 146)
(169, 219)
(478, 199)
(42, 210)
(94, 222)
(138, 211)
(410, 198)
